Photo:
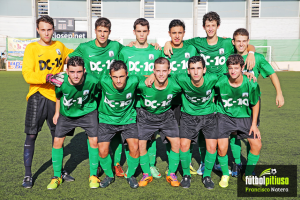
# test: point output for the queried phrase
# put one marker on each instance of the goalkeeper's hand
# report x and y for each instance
(56, 80)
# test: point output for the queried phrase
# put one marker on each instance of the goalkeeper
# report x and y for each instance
(41, 60)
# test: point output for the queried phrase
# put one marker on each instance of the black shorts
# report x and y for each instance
(107, 131)
(227, 125)
(88, 122)
(149, 123)
(39, 109)
(191, 125)
(177, 113)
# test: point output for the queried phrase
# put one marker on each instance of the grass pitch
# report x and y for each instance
(280, 138)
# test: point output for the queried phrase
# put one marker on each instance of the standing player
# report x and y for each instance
(198, 113)
(41, 60)
(238, 108)
(117, 115)
(140, 60)
(215, 51)
(178, 63)
(155, 115)
(241, 42)
(76, 106)
(98, 54)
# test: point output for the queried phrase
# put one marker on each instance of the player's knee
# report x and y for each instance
(222, 152)
(58, 143)
(142, 145)
(176, 144)
(134, 147)
(211, 148)
(256, 145)
(93, 142)
(103, 152)
(184, 146)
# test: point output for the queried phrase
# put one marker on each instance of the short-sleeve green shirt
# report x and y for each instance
(76, 101)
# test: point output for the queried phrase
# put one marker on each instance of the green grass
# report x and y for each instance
(280, 138)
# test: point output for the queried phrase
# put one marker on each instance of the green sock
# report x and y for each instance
(248, 148)
(185, 162)
(126, 151)
(152, 153)
(224, 164)
(168, 148)
(93, 158)
(191, 151)
(116, 147)
(133, 163)
(235, 145)
(209, 163)
(145, 164)
(174, 162)
(251, 162)
(88, 144)
(106, 165)
(202, 146)
(57, 161)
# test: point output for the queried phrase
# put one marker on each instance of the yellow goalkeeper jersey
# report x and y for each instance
(41, 60)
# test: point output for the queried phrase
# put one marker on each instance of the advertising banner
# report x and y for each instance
(14, 65)
(15, 47)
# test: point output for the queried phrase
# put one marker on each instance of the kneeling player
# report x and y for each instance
(155, 115)
(198, 113)
(236, 96)
(118, 116)
(76, 106)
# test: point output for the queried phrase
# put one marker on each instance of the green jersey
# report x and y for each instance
(158, 101)
(261, 66)
(140, 61)
(116, 107)
(79, 100)
(236, 101)
(215, 56)
(180, 57)
(197, 100)
(97, 60)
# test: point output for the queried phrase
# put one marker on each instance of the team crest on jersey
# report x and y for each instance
(245, 94)
(208, 92)
(128, 96)
(170, 96)
(111, 53)
(58, 52)
(187, 55)
(221, 51)
(86, 92)
(151, 56)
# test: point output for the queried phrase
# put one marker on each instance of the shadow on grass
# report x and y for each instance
(77, 148)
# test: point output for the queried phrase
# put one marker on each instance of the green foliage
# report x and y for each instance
(280, 138)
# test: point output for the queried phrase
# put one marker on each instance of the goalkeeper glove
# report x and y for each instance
(56, 80)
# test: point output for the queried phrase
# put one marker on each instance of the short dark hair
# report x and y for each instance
(176, 22)
(116, 65)
(196, 59)
(235, 59)
(240, 31)
(75, 61)
(142, 22)
(162, 60)
(45, 18)
(211, 16)
(103, 21)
